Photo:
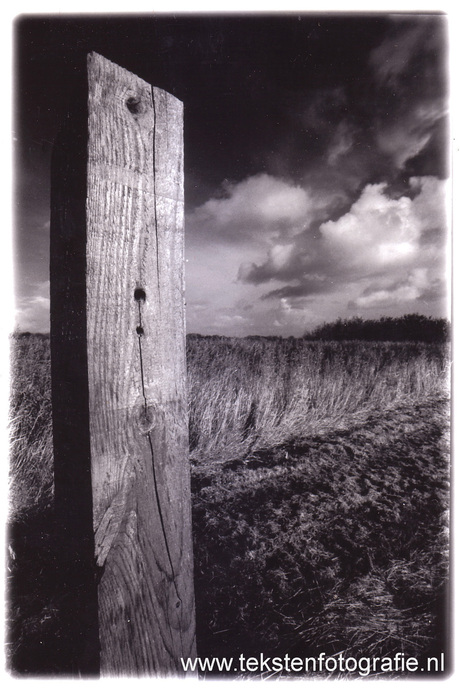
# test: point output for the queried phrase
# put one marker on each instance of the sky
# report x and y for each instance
(316, 167)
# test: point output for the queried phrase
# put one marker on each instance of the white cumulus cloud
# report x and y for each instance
(252, 210)
(383, 251)
(377, 232)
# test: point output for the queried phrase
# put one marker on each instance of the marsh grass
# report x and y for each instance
(320, 492)
(32, 607)
(31, 443)
(255, 393)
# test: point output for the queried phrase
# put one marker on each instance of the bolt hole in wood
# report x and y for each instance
(139, 294)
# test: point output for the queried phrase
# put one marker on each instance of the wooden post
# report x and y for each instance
(118, 366)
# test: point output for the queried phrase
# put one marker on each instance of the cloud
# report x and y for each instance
(282, 261)
(225, 240)
(410, 88)
(388, 249)
(429, 206)
(376, 233)
(341, 143)
(32, 312)
(324, 107)
(410, 132)
(350, 211)
(415, 286)
(306, 287)
(251, 210)
(397, 53)
(273, 254)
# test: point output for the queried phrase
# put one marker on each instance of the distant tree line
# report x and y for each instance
(25, 333)
(409, 328)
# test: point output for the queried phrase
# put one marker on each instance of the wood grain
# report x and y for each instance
(136, 375)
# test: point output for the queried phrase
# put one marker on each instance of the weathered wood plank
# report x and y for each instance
(136, 377)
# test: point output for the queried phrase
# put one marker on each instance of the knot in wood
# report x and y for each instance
(146, 419)
(135, 105)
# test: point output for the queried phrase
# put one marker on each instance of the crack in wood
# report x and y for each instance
(154, 186)
(152, 454)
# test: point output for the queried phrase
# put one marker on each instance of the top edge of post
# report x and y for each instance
(95, 57)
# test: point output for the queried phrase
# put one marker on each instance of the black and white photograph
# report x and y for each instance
(230, 366)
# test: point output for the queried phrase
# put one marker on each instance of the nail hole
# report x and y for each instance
(140, 330)
(139, 294)
(134, 105)
(178, 604)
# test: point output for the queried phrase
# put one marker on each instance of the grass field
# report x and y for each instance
(320, 487)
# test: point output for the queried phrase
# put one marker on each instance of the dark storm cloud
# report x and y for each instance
(410, 71)
(407, 110)
(307, 288)
(389, 109)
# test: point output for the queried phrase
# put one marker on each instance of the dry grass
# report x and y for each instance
(31, 459)
(33, 609)
(250, 394)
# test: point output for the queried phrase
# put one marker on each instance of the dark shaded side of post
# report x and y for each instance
(77, 648)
